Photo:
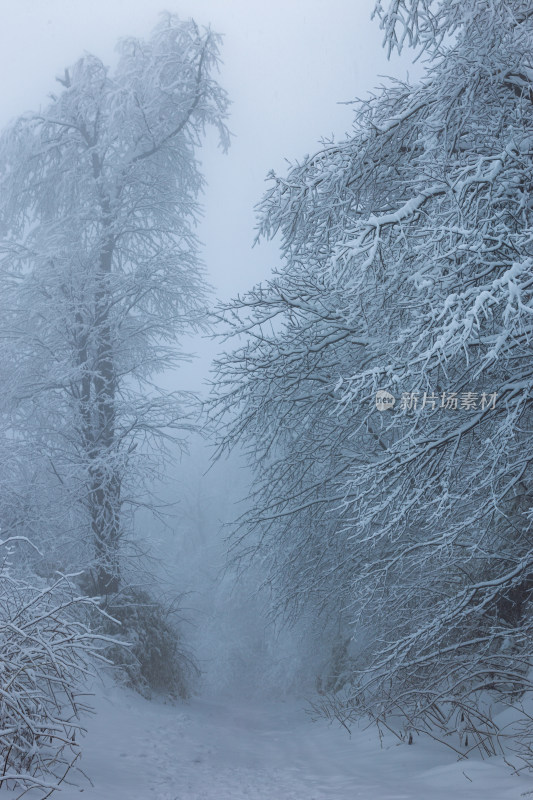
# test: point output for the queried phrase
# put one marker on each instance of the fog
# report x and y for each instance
(317, 501)
(290, 67)
(291, 70)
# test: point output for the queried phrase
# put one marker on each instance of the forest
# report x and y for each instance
(337, 525)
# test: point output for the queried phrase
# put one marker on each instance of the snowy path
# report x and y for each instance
(136, 750)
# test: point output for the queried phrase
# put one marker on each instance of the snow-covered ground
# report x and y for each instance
(264, 750)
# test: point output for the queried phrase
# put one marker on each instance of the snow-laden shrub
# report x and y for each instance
(46, 653)
(152, 657)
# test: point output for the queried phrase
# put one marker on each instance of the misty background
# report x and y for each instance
(291, 70)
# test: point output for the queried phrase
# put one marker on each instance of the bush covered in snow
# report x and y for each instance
(151, 657)
(46, 652)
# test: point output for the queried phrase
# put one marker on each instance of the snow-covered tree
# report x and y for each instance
(407, 268)
(100, 275)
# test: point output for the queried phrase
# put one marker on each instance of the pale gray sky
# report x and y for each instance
(288, 64)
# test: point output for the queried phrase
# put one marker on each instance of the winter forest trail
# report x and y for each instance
(207, 750)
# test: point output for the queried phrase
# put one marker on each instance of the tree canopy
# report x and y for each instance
(407, 268)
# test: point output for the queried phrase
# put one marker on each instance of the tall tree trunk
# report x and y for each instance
(98, 409)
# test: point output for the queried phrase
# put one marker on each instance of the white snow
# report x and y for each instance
(265, 750)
